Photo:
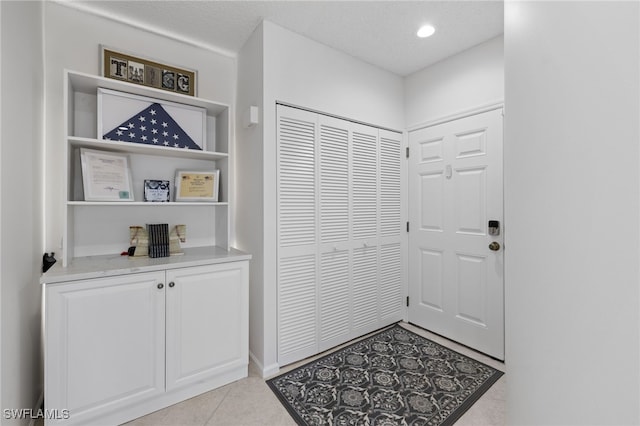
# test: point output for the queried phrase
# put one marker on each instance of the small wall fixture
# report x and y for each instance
(250, 118)
(425, 31)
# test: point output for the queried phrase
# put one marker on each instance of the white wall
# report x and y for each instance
(21, 193)
(301, 72)
(572, 197)
(470, 79)
(306, 73)
(249, 166)
(72, 41)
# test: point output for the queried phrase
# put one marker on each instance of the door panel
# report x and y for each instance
(204, 322)
(431, 278)
(455, 188)
(431, 150)
(471, 288)
(432, 201)
(470, 195)
(105, 343)
(470, 144)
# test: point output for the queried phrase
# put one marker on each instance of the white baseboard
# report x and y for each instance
(264, 371)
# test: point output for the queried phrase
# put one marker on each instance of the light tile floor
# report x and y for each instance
(250, 401)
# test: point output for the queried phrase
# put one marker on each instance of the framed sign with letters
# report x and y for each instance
(137, 70)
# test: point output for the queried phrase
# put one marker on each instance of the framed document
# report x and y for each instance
(197, 185)
(156, 190)
(105, 176)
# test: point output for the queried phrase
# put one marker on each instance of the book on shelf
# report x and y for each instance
(158, 239)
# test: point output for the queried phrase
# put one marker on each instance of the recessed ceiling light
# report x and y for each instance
(426, 31)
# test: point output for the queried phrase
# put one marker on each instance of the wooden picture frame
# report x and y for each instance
(197, 185)
(147, 72)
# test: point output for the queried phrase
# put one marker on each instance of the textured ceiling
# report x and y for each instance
(381, 33)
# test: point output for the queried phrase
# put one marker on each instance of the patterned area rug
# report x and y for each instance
(394, 377)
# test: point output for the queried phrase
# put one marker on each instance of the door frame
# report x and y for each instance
(491, 106)
(457, 115)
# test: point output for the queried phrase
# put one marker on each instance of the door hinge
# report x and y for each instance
(407, 226)
(407, 300)
(407, 152)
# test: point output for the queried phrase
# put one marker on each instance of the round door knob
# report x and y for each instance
(160, 286)
(494, 246)
(171, 284)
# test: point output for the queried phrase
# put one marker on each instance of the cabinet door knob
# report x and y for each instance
(160, 286)
(171, 284)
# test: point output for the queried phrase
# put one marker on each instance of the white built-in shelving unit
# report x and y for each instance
(101, 228)
(125, 336)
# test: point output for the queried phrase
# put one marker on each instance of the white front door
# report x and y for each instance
(456, 272)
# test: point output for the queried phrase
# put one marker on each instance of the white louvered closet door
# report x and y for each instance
(365, 213)
(297, 230)
(335, 228)
(341, 272)
(392, 264)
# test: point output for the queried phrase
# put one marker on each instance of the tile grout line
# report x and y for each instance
(218, 406)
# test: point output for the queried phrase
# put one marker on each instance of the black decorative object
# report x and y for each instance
(393, 377)
(47, 261)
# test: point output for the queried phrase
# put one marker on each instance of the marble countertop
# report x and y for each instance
(83, 268)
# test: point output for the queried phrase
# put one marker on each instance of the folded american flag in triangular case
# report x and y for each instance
(152, 126)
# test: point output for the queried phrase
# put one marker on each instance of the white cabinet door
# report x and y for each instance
(104, 341)
(207, 322)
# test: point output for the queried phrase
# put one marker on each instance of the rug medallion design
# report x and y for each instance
(394, 377)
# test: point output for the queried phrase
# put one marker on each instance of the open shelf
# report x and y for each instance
(89, 84)
(94, 228)
(144, 203)
(138, 148)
